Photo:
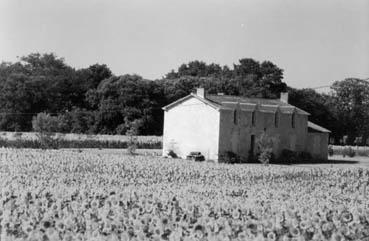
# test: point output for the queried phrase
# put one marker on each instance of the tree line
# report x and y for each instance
(43, 89)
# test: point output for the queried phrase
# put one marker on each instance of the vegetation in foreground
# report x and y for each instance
(64, 195)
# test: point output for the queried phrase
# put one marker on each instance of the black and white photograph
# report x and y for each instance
(184, 120)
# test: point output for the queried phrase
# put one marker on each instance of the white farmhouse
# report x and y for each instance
(215, 124)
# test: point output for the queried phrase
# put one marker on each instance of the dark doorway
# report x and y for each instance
(252, 147)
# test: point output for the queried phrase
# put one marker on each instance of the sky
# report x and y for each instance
(315, 42)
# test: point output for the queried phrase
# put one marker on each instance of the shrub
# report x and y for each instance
(47, 141)
(348, 151)
(265, 157)
(288, 157)
(132, 147)
(362, 152)
(265, 148)
(330, 150)
(132, 143)
(121, 129)
(229, 157)
(45, 123)
(17, 134)
(303, 156)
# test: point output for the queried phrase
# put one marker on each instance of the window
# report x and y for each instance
(253, 118)
(276, 119)
(235, 117)
(293, 120)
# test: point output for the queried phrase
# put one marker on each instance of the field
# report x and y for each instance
(76, 137)
(106, 195)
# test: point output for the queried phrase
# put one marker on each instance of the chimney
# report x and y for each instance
(284, 97)
(200, 92)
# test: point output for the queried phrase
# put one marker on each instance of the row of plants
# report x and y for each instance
(348, 151)
(57, 143)
(75, 136)
(267, 157)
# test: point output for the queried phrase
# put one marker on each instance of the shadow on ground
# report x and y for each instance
(312, 162)
(331, 161)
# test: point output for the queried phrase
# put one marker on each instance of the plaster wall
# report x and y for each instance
(191, 126)
(236, 137)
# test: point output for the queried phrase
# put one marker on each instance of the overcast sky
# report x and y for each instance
(315, 42)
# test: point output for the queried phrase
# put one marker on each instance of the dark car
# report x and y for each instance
(196, 156)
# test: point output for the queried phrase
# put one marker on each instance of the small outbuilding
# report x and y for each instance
(215, 124)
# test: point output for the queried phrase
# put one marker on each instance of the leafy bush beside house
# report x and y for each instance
(265, 148)
(229, 157)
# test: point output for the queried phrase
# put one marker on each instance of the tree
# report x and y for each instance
(247, 66)
(93, 75)
(44, 83)
(247, 78)
(46, 125)
(128, 98)
(17, 100)
(196, 69)
(352, 98)
(321, 107)
(175, 89)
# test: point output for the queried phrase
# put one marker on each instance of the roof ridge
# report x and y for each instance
(219, 104)
(244, 97)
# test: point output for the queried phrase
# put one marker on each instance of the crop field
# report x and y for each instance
(70, 140)
(70, 195)
(75, 137)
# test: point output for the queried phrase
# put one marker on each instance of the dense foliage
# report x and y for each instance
(67, 195)
(93, 100)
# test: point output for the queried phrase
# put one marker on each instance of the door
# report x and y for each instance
(252, 147)
(293, 143)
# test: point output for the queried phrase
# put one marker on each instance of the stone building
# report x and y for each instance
(215, 124)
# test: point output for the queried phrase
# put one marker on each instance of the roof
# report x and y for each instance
(205, 101)
(317, 128)
(250, 104)
(239, 99)
(247, 104)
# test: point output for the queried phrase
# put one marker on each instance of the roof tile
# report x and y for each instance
(249, 104)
